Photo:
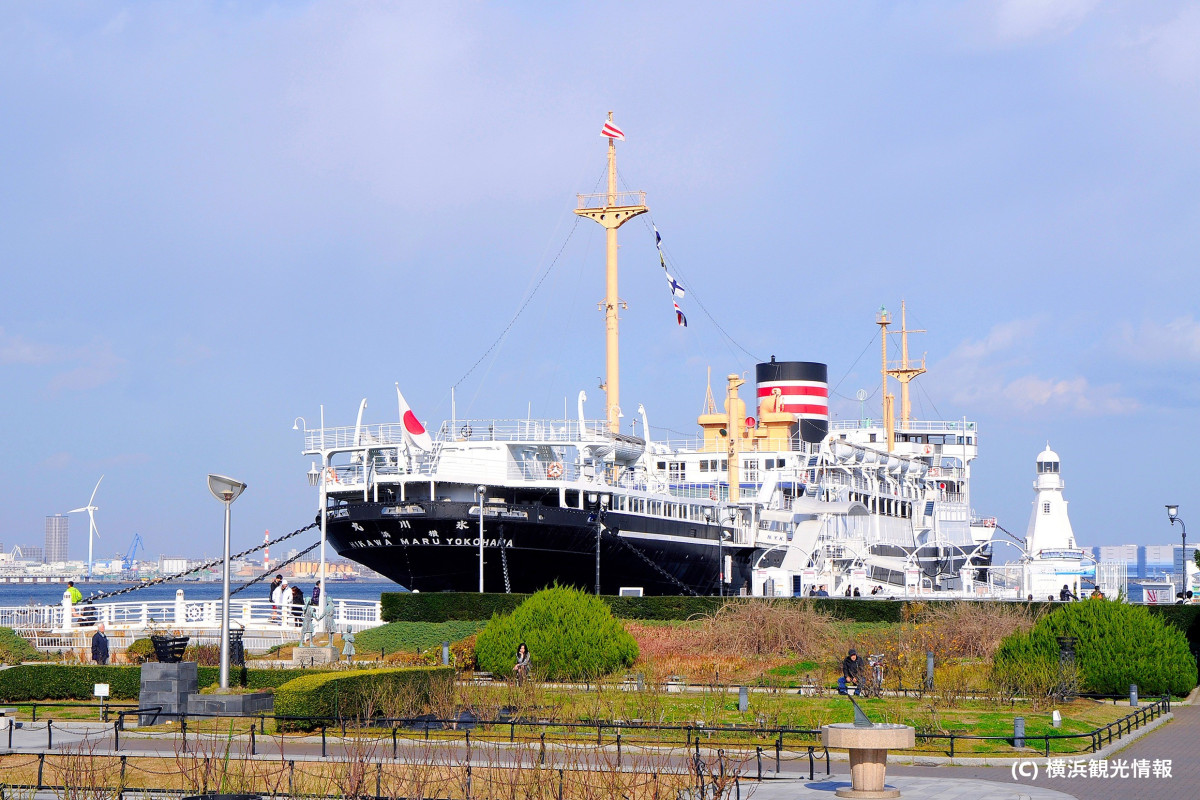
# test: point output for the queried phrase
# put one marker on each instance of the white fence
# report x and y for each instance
(263, 624)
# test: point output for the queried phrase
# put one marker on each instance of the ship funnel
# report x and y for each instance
(803, 390)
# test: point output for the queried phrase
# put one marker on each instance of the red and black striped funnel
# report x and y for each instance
(803, 390)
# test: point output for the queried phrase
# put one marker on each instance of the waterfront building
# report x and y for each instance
(56, 538)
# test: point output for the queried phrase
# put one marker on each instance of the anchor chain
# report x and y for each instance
(651, 562)
(278, 566)
(504, 563)
(205, 565)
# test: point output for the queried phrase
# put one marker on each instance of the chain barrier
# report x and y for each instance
(204, 566)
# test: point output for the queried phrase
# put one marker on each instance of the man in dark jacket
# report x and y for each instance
(100, 645)
(850, 671)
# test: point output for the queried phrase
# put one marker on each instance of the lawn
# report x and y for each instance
(412, 636)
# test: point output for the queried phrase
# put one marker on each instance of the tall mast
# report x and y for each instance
(905, 373)
(612, 210)
(884, 318)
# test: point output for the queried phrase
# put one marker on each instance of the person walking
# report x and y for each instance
(100, 645)
(316, 594)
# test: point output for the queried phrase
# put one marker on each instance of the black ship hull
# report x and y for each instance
(433, 547)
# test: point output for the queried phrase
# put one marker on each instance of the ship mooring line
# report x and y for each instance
(528, 299)
(652, 563)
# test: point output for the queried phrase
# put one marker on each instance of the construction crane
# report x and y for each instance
(134, 546)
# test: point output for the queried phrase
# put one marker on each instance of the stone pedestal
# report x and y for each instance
(868, 746)
(249, 704)
(167, 686)
(314, 656)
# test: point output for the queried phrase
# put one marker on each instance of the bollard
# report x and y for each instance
(929, 670)
(445, 654)
(1133, 695)
(758, 748)
(41, 764)
(394, 745)
(49, 734)
(1056, 719)
(743, 699)
(116, 735)
(1019, 732)
(253, 749)
(322, 741)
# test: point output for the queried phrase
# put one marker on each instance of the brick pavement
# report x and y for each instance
(1176, 740)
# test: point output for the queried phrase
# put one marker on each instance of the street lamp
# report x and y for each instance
(600, 502)
(225, 490)
(1173, 515)
(482, 489)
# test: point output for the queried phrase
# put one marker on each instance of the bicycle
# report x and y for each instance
(872, 683)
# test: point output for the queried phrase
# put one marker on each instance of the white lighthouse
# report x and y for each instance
(1052, 558)
(1049, 527)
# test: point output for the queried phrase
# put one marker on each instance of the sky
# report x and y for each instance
(216, 217)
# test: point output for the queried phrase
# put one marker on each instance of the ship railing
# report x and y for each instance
(616, 200)
(349, 437)
(524, 430)
(543, 471)
(914, 425)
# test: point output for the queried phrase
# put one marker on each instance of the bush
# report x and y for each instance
(570, 635)
(1117, 645)
(303, 703)
(15, 649)
(140, 651)
(760, 627)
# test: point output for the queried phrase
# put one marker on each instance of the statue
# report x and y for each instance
(306, 628)
(325, 616)
(348, 643)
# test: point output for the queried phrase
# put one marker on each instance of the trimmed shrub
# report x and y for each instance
(570, 635)
(1117, 645)
(302, 704)
(444, 606)
(272, 678)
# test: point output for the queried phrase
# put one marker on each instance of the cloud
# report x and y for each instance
(18, 350)
(996, 374)
(97, 365)
(1171, 49)
(57, 461)
(1022, 20)
(1029, 393)
(1158, 342)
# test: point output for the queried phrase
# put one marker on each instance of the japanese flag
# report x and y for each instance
(414, 432)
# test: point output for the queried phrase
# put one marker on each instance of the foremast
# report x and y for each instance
(612, 210)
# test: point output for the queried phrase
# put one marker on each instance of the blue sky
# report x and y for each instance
(217, 216)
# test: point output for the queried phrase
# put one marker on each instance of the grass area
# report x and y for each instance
(412, 636)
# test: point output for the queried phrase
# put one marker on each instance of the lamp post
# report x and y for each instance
(226, 490)
(600, 502)
(482, 490)
(708, 518)
(1173, 515)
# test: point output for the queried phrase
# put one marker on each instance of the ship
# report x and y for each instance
(782, 501)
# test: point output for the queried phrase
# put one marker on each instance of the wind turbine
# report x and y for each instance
(91, 510)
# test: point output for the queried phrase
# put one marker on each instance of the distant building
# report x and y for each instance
(56, 538)
(29, 553)
(169, 566)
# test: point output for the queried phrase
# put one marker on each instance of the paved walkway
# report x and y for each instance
(1175, 741)
(937, 787)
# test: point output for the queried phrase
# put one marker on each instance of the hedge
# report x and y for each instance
(77, 681)
(444, 606)
(302, 703)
